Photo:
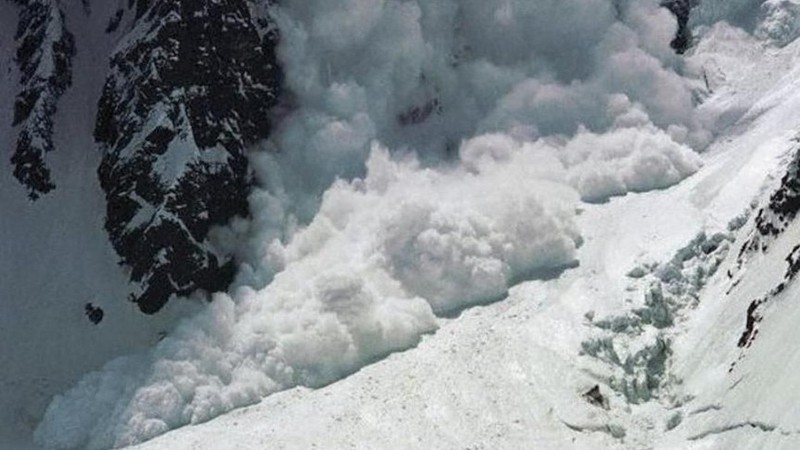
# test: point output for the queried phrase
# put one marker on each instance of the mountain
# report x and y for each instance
(127, 129)
(400, 224)
(682, 10)
(188, 90)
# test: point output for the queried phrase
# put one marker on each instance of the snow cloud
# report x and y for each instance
(424, 76)
(435, 155)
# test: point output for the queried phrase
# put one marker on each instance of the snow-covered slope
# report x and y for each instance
(511, 374)
(738, 357)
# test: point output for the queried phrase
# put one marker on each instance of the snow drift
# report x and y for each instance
(368, 227)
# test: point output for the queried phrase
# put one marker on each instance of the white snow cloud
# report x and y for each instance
(426, 75)
(365, 278)
(626, 160)
(384, 255)
(364, 231)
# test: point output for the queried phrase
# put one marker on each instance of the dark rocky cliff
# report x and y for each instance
(188, 89)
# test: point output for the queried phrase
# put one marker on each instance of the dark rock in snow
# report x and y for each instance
(114, 22)
(770, 223)
(784, 203)
(595, 397)
(773, 219)
(753, 317)
(94, 313)
(681, 9)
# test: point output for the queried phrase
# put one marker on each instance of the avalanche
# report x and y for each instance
(513, 375)
(476, 179)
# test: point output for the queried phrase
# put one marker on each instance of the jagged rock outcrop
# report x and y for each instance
(190, 88)
(681, 9)
(771, 222)
(784, 203)
(44, 55)
(773, 218)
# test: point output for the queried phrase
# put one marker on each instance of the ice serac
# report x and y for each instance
(44, 55)
(189, 89)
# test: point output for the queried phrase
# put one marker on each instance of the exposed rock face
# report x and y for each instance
(772, 219)
(784, 203)
(190, 87)
(681, 9)
(44, 55)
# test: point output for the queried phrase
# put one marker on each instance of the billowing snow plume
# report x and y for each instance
(463, 135)
(363, 279)
(366, 277)
(426, 75)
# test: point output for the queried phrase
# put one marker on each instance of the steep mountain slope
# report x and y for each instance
(190, 88)
(360, 277)
(64, 306)
(44, 56)
(54, 253)
(738, 356)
